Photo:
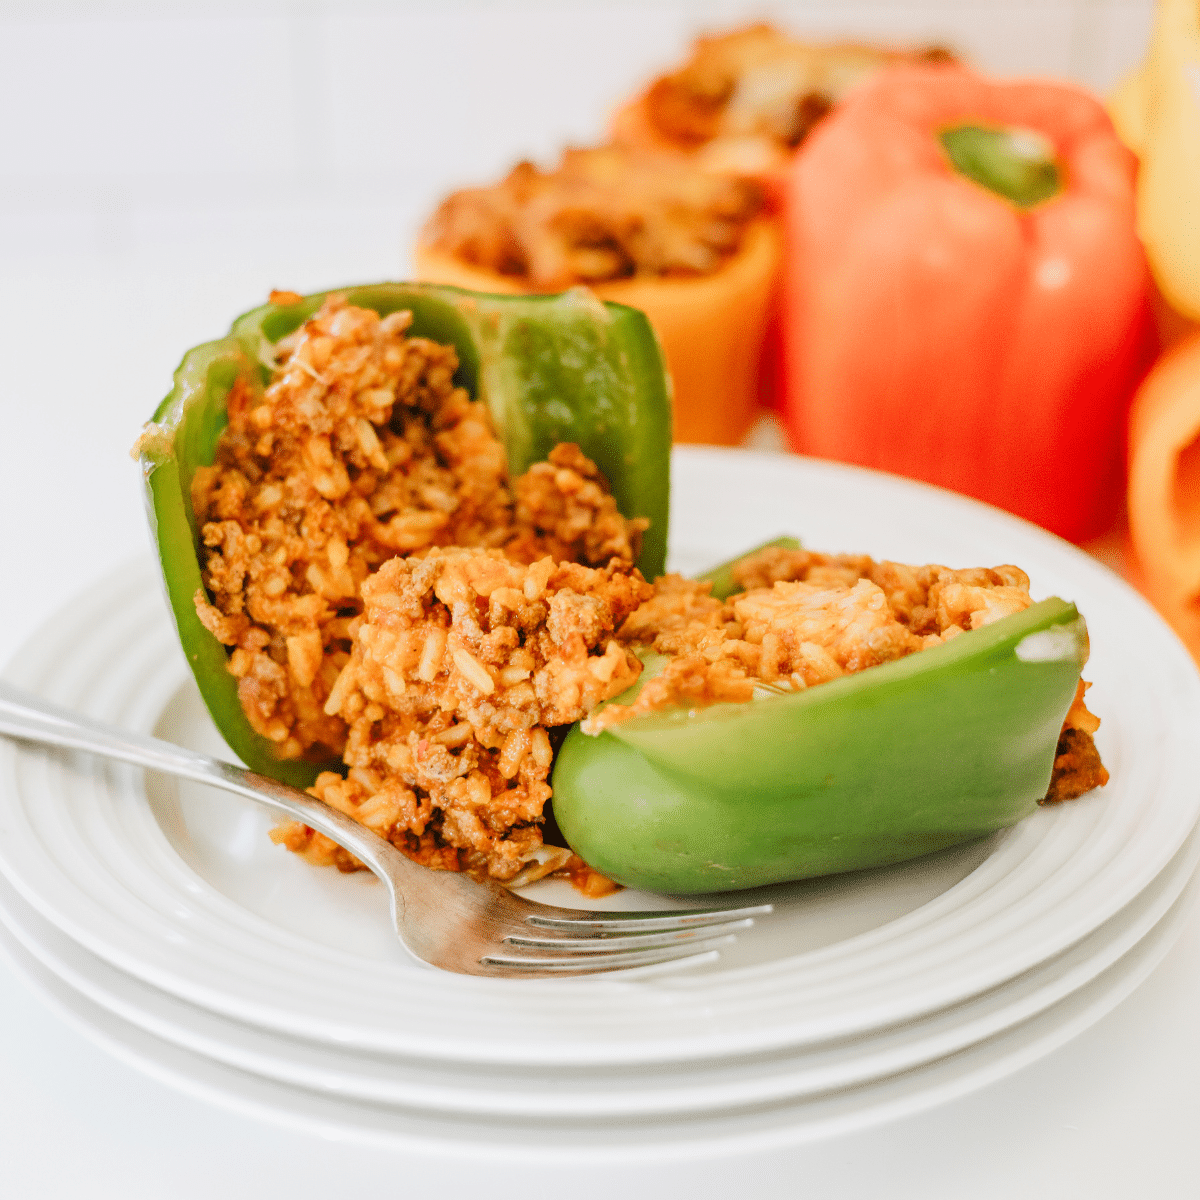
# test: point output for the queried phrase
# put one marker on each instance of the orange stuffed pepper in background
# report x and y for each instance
(741, 104)
(966, 299)
(687, 247)
(744, 100)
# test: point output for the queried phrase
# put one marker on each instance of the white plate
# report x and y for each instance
(841, 958)
(570, 1096)
(687, 1141)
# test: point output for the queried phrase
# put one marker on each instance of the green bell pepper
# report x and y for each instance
(938, 748)
(551, 369)
(1013, 163)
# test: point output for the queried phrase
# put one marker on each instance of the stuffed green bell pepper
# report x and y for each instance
(907, 757)
(551, 370)
(387, 595)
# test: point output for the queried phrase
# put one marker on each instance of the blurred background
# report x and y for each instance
(313, 138)
(164, 165)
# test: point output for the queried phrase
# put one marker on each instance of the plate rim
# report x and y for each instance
(964, 1073)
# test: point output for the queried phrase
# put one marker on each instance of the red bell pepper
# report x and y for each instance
(966, 300)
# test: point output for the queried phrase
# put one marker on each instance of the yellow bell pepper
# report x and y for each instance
(1156, 111)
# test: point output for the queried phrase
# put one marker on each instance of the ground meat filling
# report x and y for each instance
(803, 618)
(360, 449)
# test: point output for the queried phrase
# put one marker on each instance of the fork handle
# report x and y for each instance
(29, 718)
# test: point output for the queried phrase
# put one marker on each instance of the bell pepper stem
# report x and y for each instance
(1017, 164)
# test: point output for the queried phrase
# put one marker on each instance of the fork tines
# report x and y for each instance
(626, 922)
(616, 941)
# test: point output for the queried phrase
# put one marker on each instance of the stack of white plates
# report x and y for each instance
(159, 918)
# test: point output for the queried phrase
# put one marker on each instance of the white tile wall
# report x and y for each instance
(135, 130)
(131, 98)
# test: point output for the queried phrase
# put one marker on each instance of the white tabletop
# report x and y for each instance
(91, 325)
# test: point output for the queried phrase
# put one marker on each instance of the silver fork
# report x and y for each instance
(441, 917)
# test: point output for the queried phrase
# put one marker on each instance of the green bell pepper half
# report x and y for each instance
(941, 747)
(551, 369)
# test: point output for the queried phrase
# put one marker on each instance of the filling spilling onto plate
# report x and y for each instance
(361, 451)
(391, 597)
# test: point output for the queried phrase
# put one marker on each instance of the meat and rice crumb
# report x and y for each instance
(392, 597)
(461, 662)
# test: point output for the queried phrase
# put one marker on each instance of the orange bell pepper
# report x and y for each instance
(1164, 488)
(966, 300)
(711, 327)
